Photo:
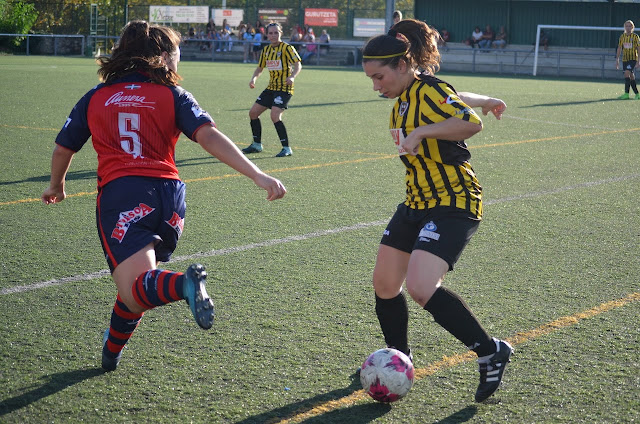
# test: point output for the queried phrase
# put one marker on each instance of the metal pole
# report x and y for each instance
(535, 56)
(391, 6)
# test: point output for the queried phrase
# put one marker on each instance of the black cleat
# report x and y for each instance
(491, 370)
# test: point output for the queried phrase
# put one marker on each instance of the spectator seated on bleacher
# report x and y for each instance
(324, 42)
(475, 38)
(310, 46)
(500, 42)
(444, 38)
(487, 38)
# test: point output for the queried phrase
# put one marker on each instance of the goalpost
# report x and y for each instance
(535, 57)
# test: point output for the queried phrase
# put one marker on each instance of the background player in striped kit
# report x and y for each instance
(629, 46)
(443, 206)
(284, 64)
(134, 119)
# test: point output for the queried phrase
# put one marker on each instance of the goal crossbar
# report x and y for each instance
(537, 48)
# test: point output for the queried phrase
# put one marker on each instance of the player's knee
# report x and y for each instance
(131, 304)
(421, 293)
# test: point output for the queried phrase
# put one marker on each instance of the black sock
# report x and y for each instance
(633, 86)
(256, 130)
(282, 133)
(627, 83)
(453, 314)
(393, 316)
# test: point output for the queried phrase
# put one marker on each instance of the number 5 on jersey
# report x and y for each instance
(128, 126)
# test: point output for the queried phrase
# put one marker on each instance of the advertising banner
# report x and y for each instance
(280, 16)
(321, 17)
(179, 14)
(233, 16)
(364, 27)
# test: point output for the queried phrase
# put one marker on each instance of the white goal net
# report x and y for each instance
(569, 27)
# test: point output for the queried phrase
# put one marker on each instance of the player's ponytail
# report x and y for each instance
(140, 48)
(409, 40)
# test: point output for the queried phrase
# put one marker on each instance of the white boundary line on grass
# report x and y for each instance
(273, 242)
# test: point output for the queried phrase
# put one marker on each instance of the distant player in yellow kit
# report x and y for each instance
(284, 64)
(629, 46)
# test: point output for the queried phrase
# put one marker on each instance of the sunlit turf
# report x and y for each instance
(295, 307)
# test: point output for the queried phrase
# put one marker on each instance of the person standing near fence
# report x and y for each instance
(443, 206)
(134, 118)
(629, 46)
(284, 65)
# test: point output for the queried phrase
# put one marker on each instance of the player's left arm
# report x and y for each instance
(297, 67)
(488, 104)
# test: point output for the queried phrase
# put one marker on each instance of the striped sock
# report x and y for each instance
(157, 287)
(123, 324)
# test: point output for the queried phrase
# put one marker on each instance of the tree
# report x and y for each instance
(16, 18)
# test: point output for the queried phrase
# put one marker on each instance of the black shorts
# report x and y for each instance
(257, 48)
(269, 98)
(132, 212)
(629, 65)
(442, 231)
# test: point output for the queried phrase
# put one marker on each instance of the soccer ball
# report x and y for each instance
(387, 375)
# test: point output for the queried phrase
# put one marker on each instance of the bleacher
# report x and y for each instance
(337, 54)
(514, 59)
(519, 59)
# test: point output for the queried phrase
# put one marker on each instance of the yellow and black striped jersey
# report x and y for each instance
(629, 44)
(440, 174)
(279, 61)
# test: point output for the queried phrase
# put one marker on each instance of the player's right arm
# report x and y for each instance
(60, 162)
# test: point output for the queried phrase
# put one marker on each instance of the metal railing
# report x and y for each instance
(55, 40)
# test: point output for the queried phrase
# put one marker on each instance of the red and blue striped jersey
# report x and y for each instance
(134, 125)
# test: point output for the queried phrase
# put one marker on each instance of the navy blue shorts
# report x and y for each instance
(442, 231)
(132, 212)
(269, 98)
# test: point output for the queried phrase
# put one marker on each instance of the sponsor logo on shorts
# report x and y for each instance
(428, 232)
(129, 217)
(386, 233)
(278, 100)
(177, 223)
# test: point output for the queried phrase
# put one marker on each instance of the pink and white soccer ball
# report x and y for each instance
(387, 375)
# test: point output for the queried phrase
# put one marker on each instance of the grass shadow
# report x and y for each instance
(583, 102)
(71, 175)
(293, 409)
(57, 382)
(461, 416)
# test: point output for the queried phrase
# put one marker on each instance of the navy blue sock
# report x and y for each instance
(157, 287)
(123, 324)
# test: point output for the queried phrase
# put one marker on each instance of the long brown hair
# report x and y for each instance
(409, 40)
(140, 48)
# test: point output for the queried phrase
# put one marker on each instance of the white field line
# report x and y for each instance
(565, 124)
(273, 242)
